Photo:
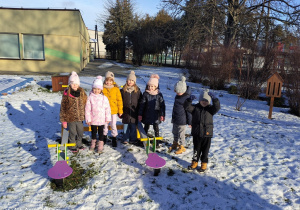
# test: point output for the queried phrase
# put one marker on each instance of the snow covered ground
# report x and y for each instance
(253, 161)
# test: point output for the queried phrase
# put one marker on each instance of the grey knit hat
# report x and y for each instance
(204, 96)
(180, 86)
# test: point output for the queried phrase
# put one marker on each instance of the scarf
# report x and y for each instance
(130, 89)
(108, 86)
(154, 92)
(75, 93)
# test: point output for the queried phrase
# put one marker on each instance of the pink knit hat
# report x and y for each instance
(153, 80)
(98, 83)
(74, 78)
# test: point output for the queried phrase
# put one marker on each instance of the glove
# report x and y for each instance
(192, 97)
(211, 95)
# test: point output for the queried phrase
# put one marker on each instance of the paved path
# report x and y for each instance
(92, 69)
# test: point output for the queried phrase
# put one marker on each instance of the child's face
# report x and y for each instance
(97, 91)
(109, 82)
(152, 87)
(74, 86)
(130, 82)
(204, 103)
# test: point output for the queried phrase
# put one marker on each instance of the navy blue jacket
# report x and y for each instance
(179, 115)
(152, 107)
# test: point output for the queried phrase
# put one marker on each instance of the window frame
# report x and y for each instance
(23, 47)
(18, 44)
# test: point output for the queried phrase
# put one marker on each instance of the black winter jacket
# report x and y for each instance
(130, 106)
(152, 107)
(202, 122)
(179, 115)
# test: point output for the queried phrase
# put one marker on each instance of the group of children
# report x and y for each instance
(106, 102)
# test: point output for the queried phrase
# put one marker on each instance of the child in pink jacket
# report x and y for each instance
(97, 113)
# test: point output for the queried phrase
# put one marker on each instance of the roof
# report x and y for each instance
(55, 9)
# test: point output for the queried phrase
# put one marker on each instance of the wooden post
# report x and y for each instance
(274, 85)
(271, 107)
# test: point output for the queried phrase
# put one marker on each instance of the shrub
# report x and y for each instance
(233, 89)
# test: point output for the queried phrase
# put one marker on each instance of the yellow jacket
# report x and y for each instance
(115, 99)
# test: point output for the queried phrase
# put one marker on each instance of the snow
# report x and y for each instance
(253, 161)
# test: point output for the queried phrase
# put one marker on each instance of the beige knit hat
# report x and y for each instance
(131, 76)
(109, 74)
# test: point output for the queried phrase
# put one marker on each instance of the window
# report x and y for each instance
(9, 46)
(33, 47)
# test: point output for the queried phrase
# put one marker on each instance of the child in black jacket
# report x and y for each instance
(202, 127)
(131, 96)
(152, 106)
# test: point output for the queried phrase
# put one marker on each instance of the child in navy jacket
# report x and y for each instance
(180, 117)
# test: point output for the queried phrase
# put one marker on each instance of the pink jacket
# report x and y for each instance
(97, 109)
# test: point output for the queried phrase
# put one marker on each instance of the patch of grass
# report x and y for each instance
(184, 170)
(45, 90)
(170, 172)
(29, 87)
(10, 189)
(78, 179)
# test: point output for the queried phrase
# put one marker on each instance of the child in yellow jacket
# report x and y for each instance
(112, 92)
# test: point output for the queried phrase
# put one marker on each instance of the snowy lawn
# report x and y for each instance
(253, 161)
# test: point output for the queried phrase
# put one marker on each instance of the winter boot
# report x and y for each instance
(100, 146)
(180, 150)
(193, 165)
(93, 144)
(105, 139)
(203, 168)
(174, 146)
(114, 142)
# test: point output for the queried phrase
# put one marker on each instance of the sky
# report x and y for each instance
(90, 9)
(253, 160)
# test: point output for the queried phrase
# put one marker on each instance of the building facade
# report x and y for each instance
(43, 40)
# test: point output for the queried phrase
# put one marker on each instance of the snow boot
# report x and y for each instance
(114, 142)
(193, 165)
(203, 168)
(105, 139)
(93, 144)
(180, 150)
(174, 146)
(100, 146)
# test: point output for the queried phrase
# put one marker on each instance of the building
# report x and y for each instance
(43, 40)
(97, 46)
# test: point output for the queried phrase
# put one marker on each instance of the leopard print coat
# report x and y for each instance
(72, 108)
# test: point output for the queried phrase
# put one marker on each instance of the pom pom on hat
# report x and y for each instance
(132, 76)
(98, 83)
(153, 80)
(204, 96)
(74, 78)
(109, 74)
(154, 76)
(180, 86)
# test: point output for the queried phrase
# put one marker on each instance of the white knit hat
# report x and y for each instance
(98, 83)
(153, 80)
(74, 78)
(204, 96)
(180, 86)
